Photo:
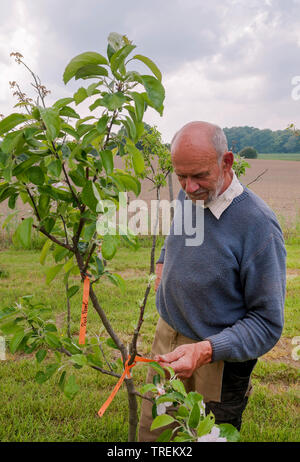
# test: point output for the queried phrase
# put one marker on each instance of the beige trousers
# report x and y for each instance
(207, 380)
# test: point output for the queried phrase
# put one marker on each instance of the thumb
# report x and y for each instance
(169, 357)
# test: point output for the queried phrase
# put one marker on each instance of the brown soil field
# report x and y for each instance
(277, 183)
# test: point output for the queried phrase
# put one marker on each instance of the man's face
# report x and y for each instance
(198, 171)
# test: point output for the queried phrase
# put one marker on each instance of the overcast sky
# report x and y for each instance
(230, 62)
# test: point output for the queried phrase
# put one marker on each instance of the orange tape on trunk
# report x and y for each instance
(126, 374)
(84, 311)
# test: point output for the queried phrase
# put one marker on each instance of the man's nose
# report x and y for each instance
(191, 185)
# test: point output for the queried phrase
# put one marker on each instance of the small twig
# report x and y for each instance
(255, 179)
(105, 359)
(97, 368)
(143, 396)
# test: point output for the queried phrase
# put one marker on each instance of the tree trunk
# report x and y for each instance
(133, 411)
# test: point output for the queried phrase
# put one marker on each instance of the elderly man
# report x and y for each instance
(220, 303)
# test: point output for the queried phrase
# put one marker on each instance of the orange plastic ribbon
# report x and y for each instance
(126, 374)
(84, 310)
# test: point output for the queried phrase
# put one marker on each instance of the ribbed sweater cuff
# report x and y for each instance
(221, 348)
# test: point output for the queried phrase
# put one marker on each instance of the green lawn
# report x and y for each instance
(280, 156)
(32, 412)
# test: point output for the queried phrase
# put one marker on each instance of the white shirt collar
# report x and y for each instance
(220, 204)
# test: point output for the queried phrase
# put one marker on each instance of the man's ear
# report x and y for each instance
(227, 160)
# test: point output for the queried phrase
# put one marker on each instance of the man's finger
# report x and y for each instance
(169, 357)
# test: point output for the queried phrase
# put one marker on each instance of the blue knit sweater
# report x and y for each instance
(230, 289)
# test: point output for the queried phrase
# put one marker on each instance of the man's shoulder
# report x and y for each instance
(256, 211)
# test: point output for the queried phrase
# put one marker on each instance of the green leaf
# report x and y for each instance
(79, 359)
(152, 66)
(101, 125)
(89, 137)
(52, 121)
(137, 157)
(80, 61)
(229, 432)
(44, 205)
(158, 369)
(117, 60)
(178, 386)
(71, 388)
(161, 421)
(67, 111)
(80, 95)
(117, 280)
(148, 387)
(6, 312)
(107, 161)
(62, 102)
(205, 426)
(11, 121)
(88, 196)
(192, 398)
(90, 71)
(109, 247)
(41, 377)
(36, 175)
(72, 291)
(165, 436)
(44, 251)
(155, 91)
(50, 327)
(41, 355)
(194, 417)
(139, 105)
(113, 101)
(55, 168)
(182, 411)
(16, 340)
(78, 177)
(62, 379)
(52, 272)
(14, 140)
(23, 232)
(20, 168)
(52, 340)
(111, 343)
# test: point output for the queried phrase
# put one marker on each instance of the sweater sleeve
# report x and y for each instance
(263, 279)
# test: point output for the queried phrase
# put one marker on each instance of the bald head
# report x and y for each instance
(203, 133)
(201, 160)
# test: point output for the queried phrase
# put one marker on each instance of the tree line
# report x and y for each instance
(264, 141)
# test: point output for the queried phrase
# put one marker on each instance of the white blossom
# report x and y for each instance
(162, 407)
(212, 437)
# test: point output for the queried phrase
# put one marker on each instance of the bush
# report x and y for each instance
(248, 152)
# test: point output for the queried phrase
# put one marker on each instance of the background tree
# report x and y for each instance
(248, 152)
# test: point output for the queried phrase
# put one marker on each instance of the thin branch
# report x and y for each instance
(97, 368)
(105, 359)
(143, 396)
(255, 179)
(65, 228)
(33, 203)
(89, 257)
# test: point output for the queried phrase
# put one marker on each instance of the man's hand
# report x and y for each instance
(158, 272)
(185, 359)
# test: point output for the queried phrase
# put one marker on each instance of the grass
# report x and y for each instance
(280, 156)
(32, 412)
